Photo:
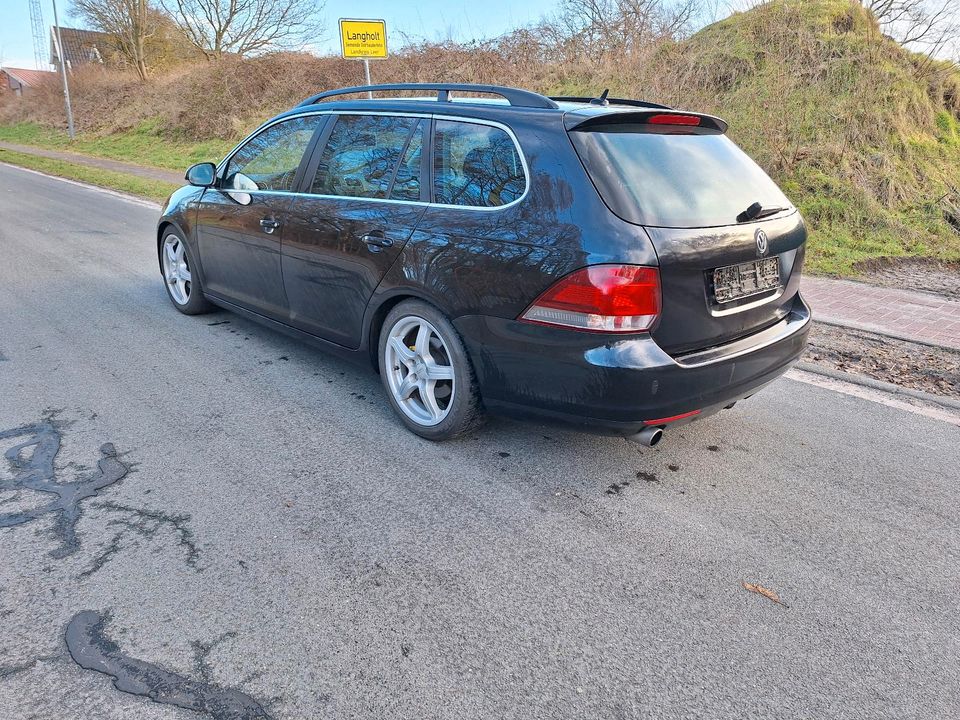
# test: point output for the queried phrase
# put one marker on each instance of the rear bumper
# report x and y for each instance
(613, 385)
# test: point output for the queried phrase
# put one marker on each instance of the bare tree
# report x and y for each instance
(130, 22)
(928, 24)
(246, 27)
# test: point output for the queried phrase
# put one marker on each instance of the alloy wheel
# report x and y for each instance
(176, 269)
(419, 370)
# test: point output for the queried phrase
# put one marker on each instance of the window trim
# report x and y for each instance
(315, 149)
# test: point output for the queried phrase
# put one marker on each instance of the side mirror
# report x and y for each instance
(202, 174)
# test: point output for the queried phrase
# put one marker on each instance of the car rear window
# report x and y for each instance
(667, 179)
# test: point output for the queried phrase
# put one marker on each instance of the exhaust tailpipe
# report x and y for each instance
(649, 436)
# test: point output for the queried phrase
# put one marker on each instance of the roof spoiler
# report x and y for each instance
(664, 118)
(605, 101)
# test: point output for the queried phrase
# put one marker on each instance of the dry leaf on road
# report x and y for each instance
(766, 592)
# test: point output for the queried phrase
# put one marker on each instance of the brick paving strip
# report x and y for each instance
(906, 314)
(170, 176)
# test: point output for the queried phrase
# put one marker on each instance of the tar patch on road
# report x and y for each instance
(33, 468)
(91, 649)
(617, 488)
(144, 523)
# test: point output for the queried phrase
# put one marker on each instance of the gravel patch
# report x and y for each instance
(923, 274)
(929, 369)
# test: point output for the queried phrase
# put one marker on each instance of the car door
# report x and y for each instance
(362, 201)
(240, 222)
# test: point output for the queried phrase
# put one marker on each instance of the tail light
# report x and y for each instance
(601, 298)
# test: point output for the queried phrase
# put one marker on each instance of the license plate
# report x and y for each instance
(735, 282)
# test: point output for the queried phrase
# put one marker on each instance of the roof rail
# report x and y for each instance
(610, 101)
(514, 96)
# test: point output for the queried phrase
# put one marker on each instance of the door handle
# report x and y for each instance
(376, 240)
(269, 224)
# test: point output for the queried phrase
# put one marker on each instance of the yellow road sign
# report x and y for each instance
(363, 38)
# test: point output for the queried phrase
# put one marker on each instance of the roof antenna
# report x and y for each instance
(602, 100)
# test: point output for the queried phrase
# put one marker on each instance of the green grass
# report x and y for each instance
(143, 145)
(151, 189)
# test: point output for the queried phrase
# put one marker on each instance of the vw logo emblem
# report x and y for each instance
(763, 242)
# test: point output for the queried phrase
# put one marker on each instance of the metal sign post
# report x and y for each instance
(63, 71)
(363, 39)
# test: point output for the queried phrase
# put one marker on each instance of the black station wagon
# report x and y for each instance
(614, 264)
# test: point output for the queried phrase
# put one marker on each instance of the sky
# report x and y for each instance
(427, 19)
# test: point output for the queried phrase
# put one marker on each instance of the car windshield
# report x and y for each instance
(669, 179)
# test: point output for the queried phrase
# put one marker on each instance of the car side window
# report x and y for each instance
(406, 183)
(362, 155)
(269, 160)
(475, 165)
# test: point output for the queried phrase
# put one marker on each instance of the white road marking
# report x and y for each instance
(106, 191)
(877, 396)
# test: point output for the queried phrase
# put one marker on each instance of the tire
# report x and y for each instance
(182, 283)
(435, 392)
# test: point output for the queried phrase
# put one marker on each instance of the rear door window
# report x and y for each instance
(671, 179)
(475, 165)
(406, 182)
(362, 156)
(270, 159)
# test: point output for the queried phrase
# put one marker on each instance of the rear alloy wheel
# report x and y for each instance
(182, 287)
(426, 372)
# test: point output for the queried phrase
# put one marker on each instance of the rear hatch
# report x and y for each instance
(729, 243)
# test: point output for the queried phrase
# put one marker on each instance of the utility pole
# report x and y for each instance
(63, 71)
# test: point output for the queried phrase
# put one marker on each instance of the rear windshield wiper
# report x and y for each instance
(757, 211)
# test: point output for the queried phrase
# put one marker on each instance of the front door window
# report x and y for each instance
(269, 160)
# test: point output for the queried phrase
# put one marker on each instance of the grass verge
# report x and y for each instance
(142, 145)
(156, 190)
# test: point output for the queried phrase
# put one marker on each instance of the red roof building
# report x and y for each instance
(17, 80)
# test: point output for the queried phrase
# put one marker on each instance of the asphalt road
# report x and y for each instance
(262, 539)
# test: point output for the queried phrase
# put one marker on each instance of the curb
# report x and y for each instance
(884, 333)
(863, 381)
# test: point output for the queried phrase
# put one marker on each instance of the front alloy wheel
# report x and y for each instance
(176, 269)
(180, 275)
